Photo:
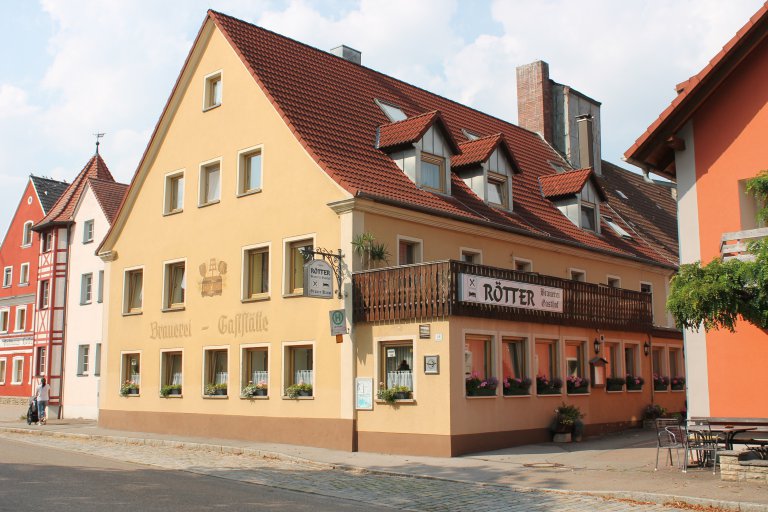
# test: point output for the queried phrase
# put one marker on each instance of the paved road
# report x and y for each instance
(90, 481)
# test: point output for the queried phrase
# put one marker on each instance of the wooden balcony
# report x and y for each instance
(734, 245)
(438, 290)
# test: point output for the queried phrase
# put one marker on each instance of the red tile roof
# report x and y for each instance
(475, 152)
(564, 183)
(329, 105)
(651, 148)
(109, 194)
(64, 208)
(408, 131)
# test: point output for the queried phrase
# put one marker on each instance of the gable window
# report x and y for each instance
(174, 193)
(213, 91)
(210, 183)
(296, 258)
(432, 173)
(88, 231)
(44, 294)
(7, 277)
(48, 241)
(24, 274)
(256, 273)
(26, 238)
(497, 189)
(21, 319)
(133, 285)
(83, 360)
(4, 315)
(249, 175)
(408, 251)
(86, 288)
(175, 285)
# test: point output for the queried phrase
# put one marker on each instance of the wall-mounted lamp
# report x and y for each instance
(597, 346)
(647, 348)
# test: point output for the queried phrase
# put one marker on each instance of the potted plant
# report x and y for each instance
(634, 383)
(517, 386)
(546, 386)
(216, 389)
(614, 384)
(481, 387)
(565, 422)
(576, 385)
(258, 389)
(678, 383)
(391, 394)
(651, 413)
(660, 383)
(297, 390)
(129, 387)
(170, 389)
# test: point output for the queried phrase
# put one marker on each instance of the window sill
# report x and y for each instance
(517, 396)
(27, 246)
(6, 286)
(480, 397)
(172, 309)
(15, 383)
(402, 401)
(215, 397)
(23, 284)
(82, 375)
(210, 203)
(133, 313)
(617, 391)
(264, 397)
(678, 391)
(292, 295)
(660, 390)
(556, 395)
(579, 394)
(172, 396)
(211, 107)
(88, 241)
(634, 391)
(174, 212)
(258, 298)
(286, 397)
(131, 395)
(249, 192)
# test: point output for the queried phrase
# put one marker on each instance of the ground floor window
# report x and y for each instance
(2, 371)
(614, 377)
(299, 370)
(255, 371)
(676, 374)
(83, 359)
(514, 356)
(18, 370)
(130, 374)
(548, 381)
(479, 365)
(631, 366)
(396, 366)
(215, 371)
(575, 365)
(171, 372)
(40, 362)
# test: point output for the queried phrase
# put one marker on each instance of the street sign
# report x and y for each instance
(318, 279)
(338, 322)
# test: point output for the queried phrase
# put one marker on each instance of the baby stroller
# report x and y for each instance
(32, 412)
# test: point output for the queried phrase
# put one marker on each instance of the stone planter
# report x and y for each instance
(562, 437)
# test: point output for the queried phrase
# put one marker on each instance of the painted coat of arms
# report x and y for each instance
(213, 274)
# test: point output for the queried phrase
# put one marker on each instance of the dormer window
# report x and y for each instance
(486, 166)
(588, 216)
(497, 189)
(392, 112)
(432, 173)
(577, 195)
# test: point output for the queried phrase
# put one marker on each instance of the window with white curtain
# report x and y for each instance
(397, 364)
(216, 366)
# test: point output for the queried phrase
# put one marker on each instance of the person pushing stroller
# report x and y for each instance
(42, 395)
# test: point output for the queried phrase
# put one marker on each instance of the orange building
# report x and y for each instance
(711, 140)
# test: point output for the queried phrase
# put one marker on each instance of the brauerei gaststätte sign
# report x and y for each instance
(511, 294)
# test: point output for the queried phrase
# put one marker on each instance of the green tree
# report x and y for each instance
(715, 295)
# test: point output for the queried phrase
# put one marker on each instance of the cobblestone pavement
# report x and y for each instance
(403, 493)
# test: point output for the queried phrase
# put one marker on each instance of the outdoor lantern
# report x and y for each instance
(647, 348)
(597, 346)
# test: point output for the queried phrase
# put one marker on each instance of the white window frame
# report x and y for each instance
(495, 363)
(7, 312)
(89, 228)
(241, 159)
(3, 369)
(83, 360)
(22, 272)
(126, 290)
(610, 277)
(243, 348)
(166, 299)
(524, 261)
(462, 250)
(167, 191)
(86, 288)
(161, 373)
(572, 270)
(204, 368)
(285, 365)
(202, 181)
(246, 276)
(287, 291)
(377, 363)
(637, 371)
(44, 300)
(442, 163)
(16, 326)
(584, 346)
(619, 371)
(20, 360)
(208, 102)
(419, 244)
(27, 229)
(7, 277)
(123, 374)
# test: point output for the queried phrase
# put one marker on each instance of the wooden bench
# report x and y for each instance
(756, 437)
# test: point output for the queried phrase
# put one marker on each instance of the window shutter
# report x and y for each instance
(80, 360)
(97, 360)
(100, 293)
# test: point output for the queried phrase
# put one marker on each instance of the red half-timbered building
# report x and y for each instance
(19, 264)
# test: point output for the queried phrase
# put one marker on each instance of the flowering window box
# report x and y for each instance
(578, 391)
(517, 386)
(476, 386)
(660, 383)
(546, 386)
(577, 385)
(614, 384)
(634, 383)
(678, 383)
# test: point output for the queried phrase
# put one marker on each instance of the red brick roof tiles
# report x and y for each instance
(564, 184)
(109, 194)
(329, 104)
(475, 152)
(408, 131)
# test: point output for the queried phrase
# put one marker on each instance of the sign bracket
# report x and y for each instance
(334, 260)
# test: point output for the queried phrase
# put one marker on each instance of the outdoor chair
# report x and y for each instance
(703, 443)
(670, 435)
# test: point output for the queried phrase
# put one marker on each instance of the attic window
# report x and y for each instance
(470, 135)
(432, 172)
(213, 90)
(621, 194)
(497, 189)
(392, 112)
(616, 228)
(588, 217)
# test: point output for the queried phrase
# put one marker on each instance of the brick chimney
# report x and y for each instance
(534, 99)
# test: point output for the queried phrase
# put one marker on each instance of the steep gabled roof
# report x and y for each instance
(63, 210)
(475, 152)
(48, 191)
(654, 149)
(568, 183)
(109, 194)
(408, 131)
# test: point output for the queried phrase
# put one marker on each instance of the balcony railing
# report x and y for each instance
(734, 245)
(432, 290)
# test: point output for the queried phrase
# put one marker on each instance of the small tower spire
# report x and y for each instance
(98, 136)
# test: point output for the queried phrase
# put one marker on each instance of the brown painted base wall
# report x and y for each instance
(336, 434)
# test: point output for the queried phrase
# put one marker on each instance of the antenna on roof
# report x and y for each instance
(98, 136)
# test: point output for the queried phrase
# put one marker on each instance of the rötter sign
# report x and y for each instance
(513, 294)
(318, 279)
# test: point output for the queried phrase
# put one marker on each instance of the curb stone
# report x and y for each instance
(661, 499)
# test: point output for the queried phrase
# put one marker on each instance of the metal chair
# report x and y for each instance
(670, 435)
(703, 443)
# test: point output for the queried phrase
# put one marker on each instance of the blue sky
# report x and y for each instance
(70, 68)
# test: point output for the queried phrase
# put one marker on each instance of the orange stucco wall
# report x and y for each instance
(730, 132)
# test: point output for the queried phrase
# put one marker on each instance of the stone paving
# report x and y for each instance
(403, 493)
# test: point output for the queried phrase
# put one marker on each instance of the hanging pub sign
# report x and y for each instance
(512, 294)
(318, 279)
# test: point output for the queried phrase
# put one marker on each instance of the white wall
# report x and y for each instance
(83, 325)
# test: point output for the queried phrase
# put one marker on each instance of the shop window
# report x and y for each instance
(130, 372)
(255, 370)
(174, 193)
(17, 377)
(26, 238)
(213, 91)
(210, 184)
(478, 356)
(2, 371)
(171, 371)
(175, 285)
(133, 284)
(299, 367)
(216, 372)
(83, 359)
(256, 273)
(249, 175)
(298, 253)
(396, 365)
(24, 274)
(21, 318)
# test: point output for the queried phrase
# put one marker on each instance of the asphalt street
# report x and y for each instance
(34, 477)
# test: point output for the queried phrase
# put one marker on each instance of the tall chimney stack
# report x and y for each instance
(534, 99)
(586, 142)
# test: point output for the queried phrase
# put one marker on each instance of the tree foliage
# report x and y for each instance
(715, 295)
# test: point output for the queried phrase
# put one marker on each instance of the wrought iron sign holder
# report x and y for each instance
(334, 260)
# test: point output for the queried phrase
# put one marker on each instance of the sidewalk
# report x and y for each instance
(619, 465)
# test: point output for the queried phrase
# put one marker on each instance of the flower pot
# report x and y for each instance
(578, 391)
(259, 392)
(547, 391)
(634, 387)
(403, 395)
(482, 392)
(305, 393)
(175, 392)
(516, 392)
(133, 392)
(562, 437)
(220, 392)
(659, 387)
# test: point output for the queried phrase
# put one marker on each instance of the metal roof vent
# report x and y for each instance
(347, 53)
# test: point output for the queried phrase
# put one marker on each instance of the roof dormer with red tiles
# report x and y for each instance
(486, 165)
(577, 194)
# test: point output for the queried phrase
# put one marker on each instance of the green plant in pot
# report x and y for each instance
(129, 387)
(170, 389)
(258, 389)
(566, 417)
(216, 389)
(297, 390)
(391, 394)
